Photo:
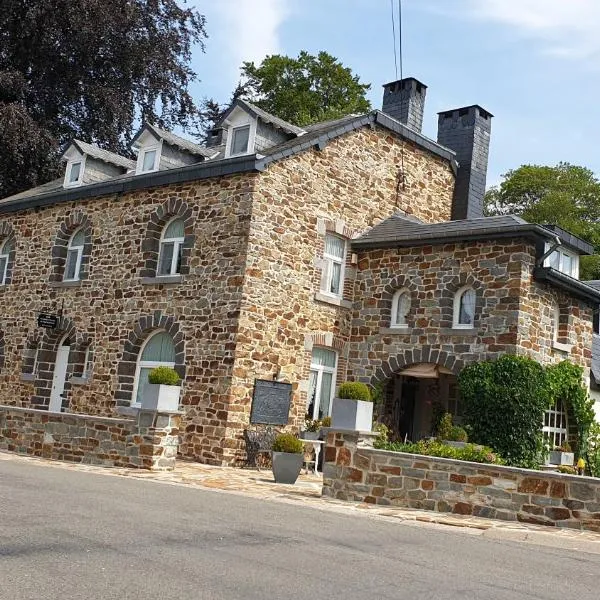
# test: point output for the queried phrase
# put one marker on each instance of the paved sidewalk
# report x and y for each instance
(307, 492)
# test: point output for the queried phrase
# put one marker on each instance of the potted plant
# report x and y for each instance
(352, 408)
(162, 393)
(288, 456)
(450, 434)
(562, 455)
(312, 429)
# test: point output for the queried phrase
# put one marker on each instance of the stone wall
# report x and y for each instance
(143, 443)
(354, 471)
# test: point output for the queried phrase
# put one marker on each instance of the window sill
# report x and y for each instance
(333, 300)
(466, 331)
(27, 376)
(562, 347)
(395, 330)
(79, 380)
(64, 284)
(168, 280)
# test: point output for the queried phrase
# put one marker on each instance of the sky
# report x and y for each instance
(534, 64)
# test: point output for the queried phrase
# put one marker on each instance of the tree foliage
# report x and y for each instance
(89, 69)
(565, 195)
(505, 401)
(302, 90)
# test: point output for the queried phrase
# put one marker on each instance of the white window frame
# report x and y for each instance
(87, 362)
(328, 261)
(557, 431)
(67, 182)
(177, 248)
(237, 121)
(6, 256)
(139, 169)
(456, 311)
(562, 252)
(79, 251)
(395, 301)
(320, 369)
(146, 364)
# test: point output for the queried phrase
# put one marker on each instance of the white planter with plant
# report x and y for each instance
(352, 408)
(288, 456)
(311, 430)
(163, 392)
(561, 455)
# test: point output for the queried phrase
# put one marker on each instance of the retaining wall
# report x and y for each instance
(147, 441)
(353, 470)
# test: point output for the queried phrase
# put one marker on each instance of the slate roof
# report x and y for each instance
(103, 155)
(263, 115)
(175, 140)
(402, 231)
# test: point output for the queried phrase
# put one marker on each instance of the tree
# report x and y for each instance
(89, 69)
(565, 195)
(301, 90)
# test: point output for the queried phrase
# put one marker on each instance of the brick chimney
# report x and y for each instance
(404, 100)
(467, 132)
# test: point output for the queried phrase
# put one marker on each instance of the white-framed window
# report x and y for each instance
(74, 255)
(400, 309)
(240, 140)
(334, 259)
(88, 362)
(464, 308)
(321, 383)
(555, 429)
(171, 246)
(7, 247)
(564, 261)
(149, 160)
(74, 172)
(157, 351)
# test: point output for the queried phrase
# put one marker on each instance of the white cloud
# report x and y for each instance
(568, 28)
(251, 28)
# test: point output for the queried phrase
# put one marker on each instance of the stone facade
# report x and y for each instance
(354, 471)
(148, 442)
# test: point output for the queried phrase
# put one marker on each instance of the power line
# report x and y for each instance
(394, 37)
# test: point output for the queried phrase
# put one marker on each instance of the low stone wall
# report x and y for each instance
(353, 470)
(147, 441)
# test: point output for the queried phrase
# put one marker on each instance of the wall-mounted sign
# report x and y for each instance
(47, 320)
(271, 402)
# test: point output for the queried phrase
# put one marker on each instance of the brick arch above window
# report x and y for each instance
(73, 223)
(171, 209)
(145, 327)
(398, 283)
(448, 295)
(7, 252)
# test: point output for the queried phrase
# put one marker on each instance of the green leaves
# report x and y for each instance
(306, 89)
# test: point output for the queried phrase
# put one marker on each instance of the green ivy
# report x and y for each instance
(593, 450)
(505, 401)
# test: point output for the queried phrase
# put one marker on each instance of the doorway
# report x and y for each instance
(60, 375)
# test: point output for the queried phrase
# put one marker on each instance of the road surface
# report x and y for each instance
(73, 535)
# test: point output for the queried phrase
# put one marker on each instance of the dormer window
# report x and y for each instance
(241, 137)
(149, 160)
(564, 261)
(74, 173)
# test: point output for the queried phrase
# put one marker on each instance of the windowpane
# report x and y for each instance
(312, 393)
(75, 172)
(239, 144)
(335, 246)
(142, 383)
(71, 266)
(325, 395)
(323, 357)
(159, 348)
(402, 309)
(149, 158)
(9, 246)
(175, 229)
(3, 265)
(467, 308)
(567, 264)
(554, 261)
(78, 239)
(336, 276)
(166, 258)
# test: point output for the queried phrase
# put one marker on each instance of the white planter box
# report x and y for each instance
(161, 398)
(557, 457)
(356, 415)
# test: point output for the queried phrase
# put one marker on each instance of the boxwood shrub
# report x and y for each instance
(355, 390)
(164, 376)
(286, 442)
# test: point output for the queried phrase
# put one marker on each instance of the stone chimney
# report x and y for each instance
(404, 100)
(467, 132)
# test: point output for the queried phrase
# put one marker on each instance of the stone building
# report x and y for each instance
(351, 249)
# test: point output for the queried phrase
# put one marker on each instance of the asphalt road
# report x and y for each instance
(73, 535)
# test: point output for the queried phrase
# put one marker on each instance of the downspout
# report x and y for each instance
(557, 243)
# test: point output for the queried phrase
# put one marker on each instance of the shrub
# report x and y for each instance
(505, 401)
(164, 376)
(593, 450)
(382, 432)
(326, 422)
(471, 452)
(286, 442)
(447, 431)
(458, 434)
(355, 390)
(567, 469)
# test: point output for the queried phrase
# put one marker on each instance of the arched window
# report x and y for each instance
(555, 429)
(157, 351)
(400, 309)
(464, 308)
(7, 247)
(171, 244)
(74, 254)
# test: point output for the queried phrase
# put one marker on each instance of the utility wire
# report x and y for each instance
(394, 38)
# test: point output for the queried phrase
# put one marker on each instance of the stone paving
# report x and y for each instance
(307, 492)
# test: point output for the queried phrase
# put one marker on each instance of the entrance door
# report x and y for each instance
(60, 375)
(407, 408)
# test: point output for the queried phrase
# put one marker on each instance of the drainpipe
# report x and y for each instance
(557, 243)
